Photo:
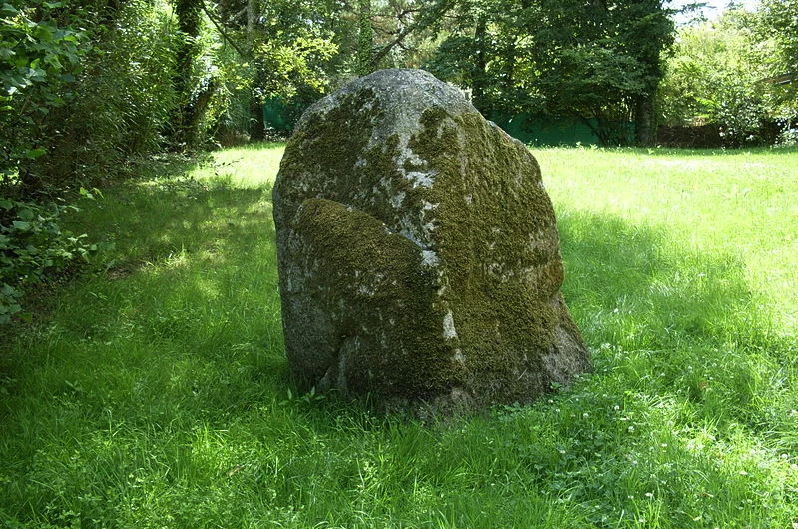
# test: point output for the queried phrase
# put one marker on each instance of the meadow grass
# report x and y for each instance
(154, 391)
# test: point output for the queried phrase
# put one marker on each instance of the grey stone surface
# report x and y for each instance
(418, 253)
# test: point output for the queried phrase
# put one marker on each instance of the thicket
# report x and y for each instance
(33, 244)
(82, 93)
(736, 76)
(86, 86)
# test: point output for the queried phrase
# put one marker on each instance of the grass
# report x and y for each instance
(154, 392)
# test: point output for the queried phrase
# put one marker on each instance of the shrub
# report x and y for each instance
(81, 90)
(33, 245)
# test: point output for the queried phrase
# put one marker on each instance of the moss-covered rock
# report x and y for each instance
(418, 252)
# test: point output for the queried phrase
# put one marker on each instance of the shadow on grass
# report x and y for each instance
(183, 316)
(633, 285)
(671, 321)
(700, 153)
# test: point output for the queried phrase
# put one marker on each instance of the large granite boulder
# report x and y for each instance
(417, 252)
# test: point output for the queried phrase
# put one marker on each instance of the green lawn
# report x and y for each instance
(154, 391)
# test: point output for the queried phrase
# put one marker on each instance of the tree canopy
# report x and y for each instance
(736, 73)
(597, 61)
(88, 83)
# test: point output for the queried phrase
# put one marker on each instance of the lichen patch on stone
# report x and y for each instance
(449, 331)
(429, 259)
(418, 251)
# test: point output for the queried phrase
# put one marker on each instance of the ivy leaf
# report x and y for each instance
(25, 214)
(36, 153)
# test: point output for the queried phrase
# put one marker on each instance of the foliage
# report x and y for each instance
(778, 21)
(584, 59)
(40, 58)
(83, 91)
(484, 50)
(268, 51)
(291, 58)
(471, 32)
(717, 75)
(365, 39)
(148, 74)
(33, 245)
(405, 30)
(124, 102)
(298, 51)
(82, 100)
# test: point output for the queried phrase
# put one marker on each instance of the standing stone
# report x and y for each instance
(417, 252)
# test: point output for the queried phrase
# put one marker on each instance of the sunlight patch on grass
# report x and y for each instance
(246, 167)
(155, 392)
(740, 203)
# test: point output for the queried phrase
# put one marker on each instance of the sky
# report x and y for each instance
(713, 9)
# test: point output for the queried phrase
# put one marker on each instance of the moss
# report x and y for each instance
(410, 252)
(492, 200)
(374, 286)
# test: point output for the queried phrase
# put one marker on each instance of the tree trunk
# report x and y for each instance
(186, 124)
(365, 38)
(480, 65)
(645, 132)
(257, 128)
(252, 16)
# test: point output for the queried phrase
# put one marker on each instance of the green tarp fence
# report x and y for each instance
(542, 130)
(531, 129)
(275, 114)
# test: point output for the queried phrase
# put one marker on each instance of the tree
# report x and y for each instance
(402, 26)
(603, 61)
(189, 23)
(298, 50)
(718, 75)
(486, 49)
(280, 50)
(365, 39)
(595, 60)
(646, 33)
(778, 20)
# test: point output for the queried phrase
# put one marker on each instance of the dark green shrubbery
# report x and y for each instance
(84, 87)
(33, 245)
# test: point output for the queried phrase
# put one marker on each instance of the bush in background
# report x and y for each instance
(78, 102)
